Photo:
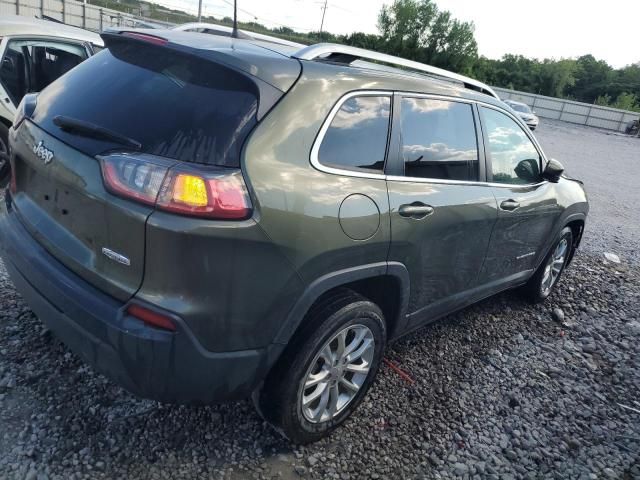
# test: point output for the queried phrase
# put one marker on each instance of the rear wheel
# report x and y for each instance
(327, 369)
(540, 286)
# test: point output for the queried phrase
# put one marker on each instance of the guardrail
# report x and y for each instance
(570, 111)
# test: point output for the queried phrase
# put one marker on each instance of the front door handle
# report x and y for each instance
(509, 205)
(415, 210)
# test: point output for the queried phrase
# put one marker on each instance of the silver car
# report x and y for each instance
(525, 113)
(33, 54)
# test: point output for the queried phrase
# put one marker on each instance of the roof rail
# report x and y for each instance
(347, 54)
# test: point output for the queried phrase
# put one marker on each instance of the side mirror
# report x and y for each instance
(553, 171)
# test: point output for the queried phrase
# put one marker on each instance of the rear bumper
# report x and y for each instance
(151, 363)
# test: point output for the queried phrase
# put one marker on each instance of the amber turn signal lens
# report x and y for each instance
(190, 190)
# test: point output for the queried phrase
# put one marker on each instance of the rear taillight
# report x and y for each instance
(137, 177)
(216, 193)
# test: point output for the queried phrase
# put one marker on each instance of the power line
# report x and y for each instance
(324, 11)
(264, 20)
(189, 7)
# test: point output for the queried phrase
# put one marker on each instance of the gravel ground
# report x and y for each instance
(500, 390)
(609, 165)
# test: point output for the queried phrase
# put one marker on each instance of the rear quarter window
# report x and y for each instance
(356, 138)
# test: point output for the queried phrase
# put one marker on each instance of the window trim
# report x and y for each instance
(392, 157)
(488, 160)
(315, 149)
(476, 130)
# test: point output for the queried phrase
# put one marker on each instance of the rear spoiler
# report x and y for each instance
(268, 93)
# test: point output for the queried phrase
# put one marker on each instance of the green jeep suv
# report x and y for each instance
(205, 218)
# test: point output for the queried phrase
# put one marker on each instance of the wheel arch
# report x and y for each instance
(576, 224)
(384, 283)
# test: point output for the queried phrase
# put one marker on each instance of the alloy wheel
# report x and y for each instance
(337, 373)
(554, 266)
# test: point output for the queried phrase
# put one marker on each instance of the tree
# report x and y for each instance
(626, 79)
(417, 30)
(554, 77)
(362, 40)
(626, 101)
(592, 78)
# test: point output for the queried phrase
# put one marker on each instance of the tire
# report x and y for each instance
(540, 286)
(5, 166)
(280, 401)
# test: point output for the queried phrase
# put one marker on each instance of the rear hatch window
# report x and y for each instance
(174, 104)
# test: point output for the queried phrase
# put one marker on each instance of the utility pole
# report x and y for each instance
(199, 11)
(324, 10)
(234, 33)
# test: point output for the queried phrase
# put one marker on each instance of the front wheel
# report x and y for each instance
(327, 370)
(546, 277)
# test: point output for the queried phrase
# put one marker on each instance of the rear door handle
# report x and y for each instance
(509, 205)
(415, 210)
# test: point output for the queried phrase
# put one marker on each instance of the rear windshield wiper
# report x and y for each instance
(87, 129)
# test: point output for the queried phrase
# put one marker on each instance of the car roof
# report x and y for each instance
(363, 75)
(11, 25)
(277, 64)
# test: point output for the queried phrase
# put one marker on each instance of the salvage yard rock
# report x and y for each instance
(558, 315)
(612, 257)
(502, 390)
(519, 406)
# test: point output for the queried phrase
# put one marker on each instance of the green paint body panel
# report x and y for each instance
(240, 289)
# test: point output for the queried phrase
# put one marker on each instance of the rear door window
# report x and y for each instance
(357, 136)
(176, 105)
(31, 65)
(438, 139)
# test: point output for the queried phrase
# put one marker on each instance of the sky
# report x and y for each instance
(541, 28)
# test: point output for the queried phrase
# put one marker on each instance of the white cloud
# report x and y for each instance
(425, 105)
(361, 109)
(438, 151)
